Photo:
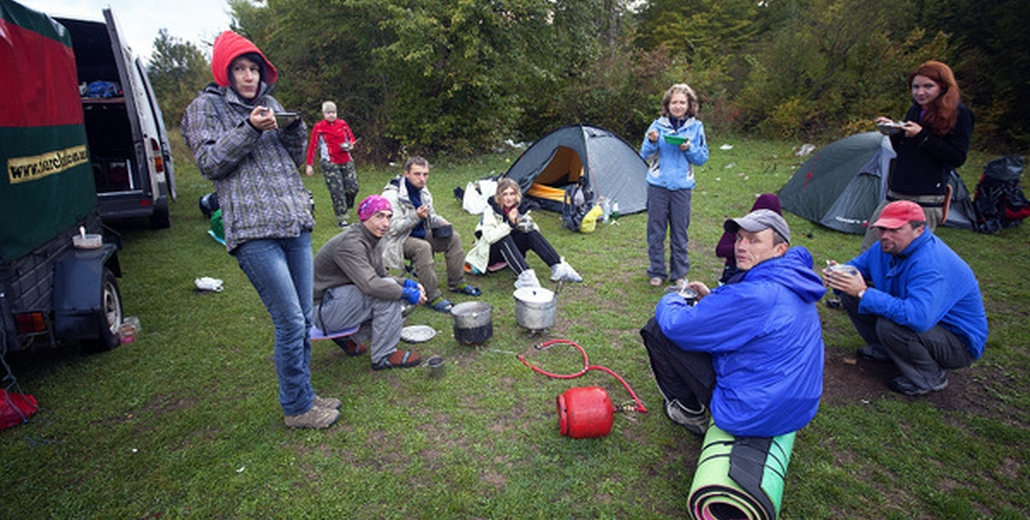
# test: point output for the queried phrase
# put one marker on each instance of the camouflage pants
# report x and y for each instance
(342, 182)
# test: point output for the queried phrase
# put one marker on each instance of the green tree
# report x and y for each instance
(833, 65)
(177, 70)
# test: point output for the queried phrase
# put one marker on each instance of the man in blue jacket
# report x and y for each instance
(924, 310)
(752, 350)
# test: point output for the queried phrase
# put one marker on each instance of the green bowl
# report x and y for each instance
(675, 139)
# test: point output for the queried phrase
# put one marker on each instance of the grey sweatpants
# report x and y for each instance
(346, 306)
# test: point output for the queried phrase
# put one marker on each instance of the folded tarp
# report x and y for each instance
(740, 478)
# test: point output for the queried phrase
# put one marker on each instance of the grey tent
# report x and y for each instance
(841, 184)
(613, 169)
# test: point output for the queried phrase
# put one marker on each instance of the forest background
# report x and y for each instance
(460, 77)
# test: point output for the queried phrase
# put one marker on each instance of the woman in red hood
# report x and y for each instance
(253, 162)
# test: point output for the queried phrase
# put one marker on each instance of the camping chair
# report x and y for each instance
(492, 268)
(317, 334)
(946, 205)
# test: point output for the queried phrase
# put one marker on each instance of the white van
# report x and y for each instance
(128, 144)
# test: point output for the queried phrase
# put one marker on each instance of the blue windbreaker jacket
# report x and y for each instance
(766, 343)
(927, 284)
(668, 166)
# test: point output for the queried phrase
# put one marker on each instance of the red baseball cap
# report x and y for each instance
(899, 213)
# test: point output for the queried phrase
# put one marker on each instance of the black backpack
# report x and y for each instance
(999, 201)
(576, 204)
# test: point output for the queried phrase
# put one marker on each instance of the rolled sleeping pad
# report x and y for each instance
(740, 478)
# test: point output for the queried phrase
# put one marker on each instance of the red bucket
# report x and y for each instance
(585, 412)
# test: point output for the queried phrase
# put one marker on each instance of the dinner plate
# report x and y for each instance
(417, 333)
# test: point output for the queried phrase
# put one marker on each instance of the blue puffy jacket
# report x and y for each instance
(766, 343)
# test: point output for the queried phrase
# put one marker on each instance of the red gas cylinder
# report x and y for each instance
(585, 412)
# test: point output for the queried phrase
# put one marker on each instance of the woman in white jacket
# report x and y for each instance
(504, 234)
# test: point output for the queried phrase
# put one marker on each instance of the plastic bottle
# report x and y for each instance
(615, 209)
(606, 210)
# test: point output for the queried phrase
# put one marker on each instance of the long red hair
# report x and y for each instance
(942, 113)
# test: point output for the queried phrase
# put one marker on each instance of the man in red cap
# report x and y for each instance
(923, 310)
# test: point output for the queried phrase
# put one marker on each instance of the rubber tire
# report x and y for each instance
(109, 318)
(161, 217)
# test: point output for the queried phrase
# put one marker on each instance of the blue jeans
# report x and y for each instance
(667, 209)
(282, 272)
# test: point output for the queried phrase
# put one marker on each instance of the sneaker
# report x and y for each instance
(655, 282)
(834, 303)
(905, 386)
(563, 272)
(314, 418)
(695, 422)
(328, 403)
(876, 354)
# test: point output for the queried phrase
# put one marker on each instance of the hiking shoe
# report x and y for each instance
(834, 303)
(399, 359)
(655, 282)
(440, 304)
(695, 422)
(327, 403)
(905, 386)
(465, 288)
(876, 354)
(314, 418)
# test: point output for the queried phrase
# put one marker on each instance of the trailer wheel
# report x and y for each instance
(109, 317)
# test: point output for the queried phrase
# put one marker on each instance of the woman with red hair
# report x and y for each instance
(932, 141)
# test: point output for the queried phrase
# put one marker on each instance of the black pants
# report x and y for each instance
(512, 249)
(686, 376)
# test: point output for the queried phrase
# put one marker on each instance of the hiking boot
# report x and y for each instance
(874, 354)
(695, 421)
(327, 403)
(905, 386)
(314, 418)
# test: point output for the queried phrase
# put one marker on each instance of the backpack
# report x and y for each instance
(576, 204)
(998, 200)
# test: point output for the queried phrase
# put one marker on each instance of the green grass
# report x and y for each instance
(185, 421)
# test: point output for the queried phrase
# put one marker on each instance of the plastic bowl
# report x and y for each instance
(675, 139)
(89, 241)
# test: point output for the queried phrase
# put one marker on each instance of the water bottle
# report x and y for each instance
(615, 210)
(606, 210)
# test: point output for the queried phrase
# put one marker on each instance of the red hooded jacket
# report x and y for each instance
(229, 46)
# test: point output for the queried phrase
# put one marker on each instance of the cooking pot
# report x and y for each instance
(535, 308)
(472, 322)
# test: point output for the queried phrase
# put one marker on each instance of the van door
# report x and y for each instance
(150, 140)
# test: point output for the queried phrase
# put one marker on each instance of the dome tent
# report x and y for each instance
(613, 169)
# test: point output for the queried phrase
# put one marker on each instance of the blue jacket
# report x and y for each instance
(928, 284)
(668, 166)
(766, 343)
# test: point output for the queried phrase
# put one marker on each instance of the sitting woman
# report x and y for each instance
(504, 234)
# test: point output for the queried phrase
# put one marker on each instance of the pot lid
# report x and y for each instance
(534, 295)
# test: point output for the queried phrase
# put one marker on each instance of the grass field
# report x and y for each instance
(185, 422)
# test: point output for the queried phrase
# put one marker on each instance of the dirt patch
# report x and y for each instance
(849, 380)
